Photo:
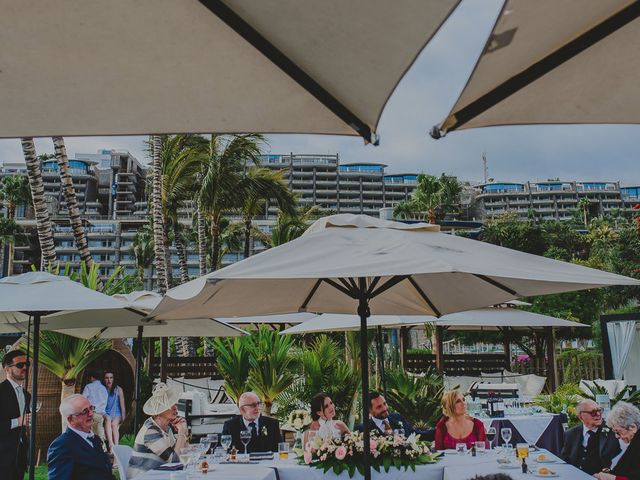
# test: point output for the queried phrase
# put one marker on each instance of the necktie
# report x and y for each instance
(97, 443)
(20, 395)
(254, 430)
(387, 426)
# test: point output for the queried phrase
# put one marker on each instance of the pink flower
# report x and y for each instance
(397, 440)
(307, 457)
(373, 445)
(341, 452)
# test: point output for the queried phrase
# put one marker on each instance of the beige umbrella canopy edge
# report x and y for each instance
(225, 66)
(550, 62)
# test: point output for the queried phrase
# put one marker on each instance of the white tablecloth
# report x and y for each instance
(531, 427)
(220, 472)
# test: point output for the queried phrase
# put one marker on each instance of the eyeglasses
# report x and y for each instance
(84, 412)
(594, 413)
(21, 365)
(252, 405)
(617, 431)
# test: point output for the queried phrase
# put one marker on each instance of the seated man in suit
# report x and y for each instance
(265, 431)
(78, 454)
(588, 446)
(386, 423)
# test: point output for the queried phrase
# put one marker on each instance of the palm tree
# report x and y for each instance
(584, 204)
(142, 251)
(182, 237)
(8, 235)
(259, 186)
(13, 192)
(201, 227)
(69, 191)
(228, 156)
(158, 220)
(43, 221)
(289, 227)
(432, 194)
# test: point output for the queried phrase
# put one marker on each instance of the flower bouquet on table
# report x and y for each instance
(299, 419)
(347, 453)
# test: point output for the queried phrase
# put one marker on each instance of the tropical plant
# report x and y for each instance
(416, 398)
(9, 233)
(433, 197)
(289, 227)
(595, 389)
(13, 192)
(157, 215)
(258, 186)
(43, 221)
(228, 157)
(232, 361)
(566, 396)
(143, 251)
(584, 204)
(117, 282)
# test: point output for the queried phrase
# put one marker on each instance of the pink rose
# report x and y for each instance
(307, 457)
(341, 452)
(373, 445)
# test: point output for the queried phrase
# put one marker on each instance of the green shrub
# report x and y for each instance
(419, 351)
(568, 394)
(416, 398)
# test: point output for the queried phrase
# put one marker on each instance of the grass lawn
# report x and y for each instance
(41, 473)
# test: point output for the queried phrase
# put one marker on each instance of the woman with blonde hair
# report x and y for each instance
(456, 426)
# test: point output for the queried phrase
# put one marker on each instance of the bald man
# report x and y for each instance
(587, 446)
(265, 431)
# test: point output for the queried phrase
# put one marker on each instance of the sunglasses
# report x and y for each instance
(594, 413)
(20, 364)
(84, 412)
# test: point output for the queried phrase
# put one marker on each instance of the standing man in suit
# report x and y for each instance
(14, 403)
(78, 454)
(589, 446)
(265, 431)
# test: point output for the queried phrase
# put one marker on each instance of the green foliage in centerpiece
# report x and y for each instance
(346, 454)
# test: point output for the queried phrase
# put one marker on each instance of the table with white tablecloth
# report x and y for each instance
(543, 430)
(220, 472)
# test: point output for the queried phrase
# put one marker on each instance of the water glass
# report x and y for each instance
(283, 450)
(225, 442)
(461, 448)
(219, 456)
(481, 448)
(505, 433)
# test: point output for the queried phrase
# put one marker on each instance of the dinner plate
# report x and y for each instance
(548, 460)
(508, 466)
(551, 475)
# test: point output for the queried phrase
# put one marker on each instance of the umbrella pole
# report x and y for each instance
(138, 371)
(383, 379)
(34, 396)
(363, 312)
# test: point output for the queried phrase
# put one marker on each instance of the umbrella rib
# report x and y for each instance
(495, 283)
(288, 66)
(425, 297)
(540, 68)
(373, 285)
(393, 281)
(311, 294)
(337, 286)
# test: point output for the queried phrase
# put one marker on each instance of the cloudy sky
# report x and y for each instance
(423, 99)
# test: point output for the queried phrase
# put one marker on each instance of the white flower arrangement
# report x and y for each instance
(299, 419)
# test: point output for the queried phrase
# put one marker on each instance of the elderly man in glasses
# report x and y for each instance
(14, 416)
(265, 431)
(589, 446)
(78, 453)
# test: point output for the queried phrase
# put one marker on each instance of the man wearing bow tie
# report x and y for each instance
(78, 454)
(14, 403)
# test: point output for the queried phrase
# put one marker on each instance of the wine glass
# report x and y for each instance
(311, 436)
(213, 441)
(225, 442)
(204, 446)
(245, 438)
(186, 456)
(505, 433)
(491, 434)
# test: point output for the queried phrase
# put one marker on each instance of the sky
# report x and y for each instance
(423, 98)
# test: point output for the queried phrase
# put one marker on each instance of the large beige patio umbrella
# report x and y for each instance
(124, 67)
(355, 263)
(554, 62)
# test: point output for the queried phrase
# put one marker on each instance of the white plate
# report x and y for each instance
(536, 474)
(548, 460)
(508, 466)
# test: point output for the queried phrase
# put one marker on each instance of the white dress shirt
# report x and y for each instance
(16, 386)
(84, 435)
(379, 423)
(256, 421)
(585, 434)
(97, 394)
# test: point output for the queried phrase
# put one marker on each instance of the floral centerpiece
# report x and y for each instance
(347, 453)
(299, 419)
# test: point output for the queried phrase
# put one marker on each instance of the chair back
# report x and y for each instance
(122, 453)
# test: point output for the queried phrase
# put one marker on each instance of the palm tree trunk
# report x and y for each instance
(168, 263)
(247, 236)
(79, 234)
(158, 223)
(215, 245)
(202, 243)
(11, 214)
(182, 260)
(431, 216)
(43, 221)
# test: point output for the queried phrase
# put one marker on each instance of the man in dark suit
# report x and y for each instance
(14, 403)
(78, 454)
(265, 431)
(385, 423)
(589, 446)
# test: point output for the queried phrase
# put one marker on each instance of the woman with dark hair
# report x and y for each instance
(114, 411)
(322, 412)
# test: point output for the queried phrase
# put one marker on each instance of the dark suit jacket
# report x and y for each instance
(608, 447)
(13, 441)
(263, 443)
(394, 420)
(70, 457)
(629, 464)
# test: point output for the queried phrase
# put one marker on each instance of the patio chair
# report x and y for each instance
(122, 454)
(614, 387)
(203, 418)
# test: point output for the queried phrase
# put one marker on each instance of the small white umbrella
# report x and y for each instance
(39, 294)
(354, 263)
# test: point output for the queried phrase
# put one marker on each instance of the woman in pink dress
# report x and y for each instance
(456, 426)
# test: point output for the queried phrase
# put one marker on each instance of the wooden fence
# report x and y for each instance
(188, 367)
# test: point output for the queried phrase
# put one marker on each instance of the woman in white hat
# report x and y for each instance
(162, 435)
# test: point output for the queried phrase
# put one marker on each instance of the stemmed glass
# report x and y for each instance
(245, 438)
(212, 438)
(311, 435)
(225, 442)
(505, 433)
(204, 446)
(188, 455)
(491, 434)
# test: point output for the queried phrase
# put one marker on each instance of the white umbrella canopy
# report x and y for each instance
(550, 62)
(163, 66)
(286, 319)
(341, 322)
(433, 274)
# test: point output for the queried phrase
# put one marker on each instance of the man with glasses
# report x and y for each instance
(589, 446)
(78, 453)
(265, 431)
(14, 419)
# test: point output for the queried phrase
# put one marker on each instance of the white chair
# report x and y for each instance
(122, 454)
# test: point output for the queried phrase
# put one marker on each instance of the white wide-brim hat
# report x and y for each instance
(162, 399)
